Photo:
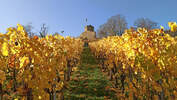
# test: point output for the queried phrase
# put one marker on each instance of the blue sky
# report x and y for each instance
(70, 15)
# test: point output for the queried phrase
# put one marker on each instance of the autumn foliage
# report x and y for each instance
(35, 68)
(142, 64)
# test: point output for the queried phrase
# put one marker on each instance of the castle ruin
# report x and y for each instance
(89, 33)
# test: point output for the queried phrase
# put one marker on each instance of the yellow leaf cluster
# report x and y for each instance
(36, 63)
(144, 57)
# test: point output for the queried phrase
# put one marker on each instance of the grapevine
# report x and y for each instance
(35, 67)
(142, 64)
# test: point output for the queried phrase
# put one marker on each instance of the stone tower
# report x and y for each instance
(89, 33)
(89, 28)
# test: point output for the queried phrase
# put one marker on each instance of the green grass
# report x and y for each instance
(88, 82)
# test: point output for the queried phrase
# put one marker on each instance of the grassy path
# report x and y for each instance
(88, 82)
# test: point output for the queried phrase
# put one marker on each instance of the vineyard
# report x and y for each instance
(142, 64)
(36, 68)
(139, 65)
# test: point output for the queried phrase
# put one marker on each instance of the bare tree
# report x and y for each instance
(102, 32)
(145, 23)
(28, 28)
(43, 31)
(114, 26)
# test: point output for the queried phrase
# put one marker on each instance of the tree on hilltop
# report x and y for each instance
(114, 26)
(43, 31)
(28, 28)
(145, 23)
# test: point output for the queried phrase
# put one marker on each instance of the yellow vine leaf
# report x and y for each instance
(20, 27)
(5, 51)
(40, 97)
(173, 26)
(161, 27)
(24, 61)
